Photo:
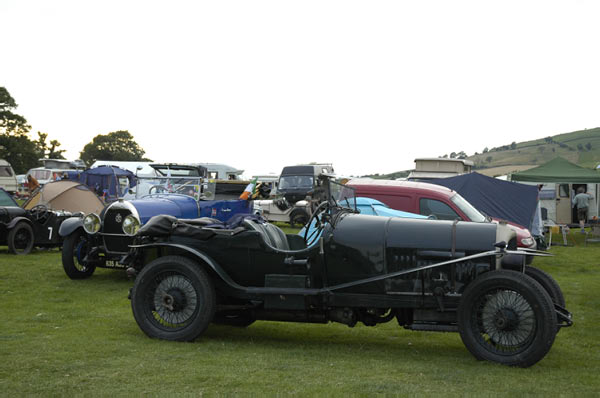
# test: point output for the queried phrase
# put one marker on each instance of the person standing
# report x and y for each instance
(32, 183)
(582, 202)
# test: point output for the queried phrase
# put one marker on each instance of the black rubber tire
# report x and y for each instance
(486, 327)
(72, 249)
(182, 282)
(298, 217)
(20, 238)
(548, 283)
(240, 320)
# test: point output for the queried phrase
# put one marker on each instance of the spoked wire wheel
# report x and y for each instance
(505, 321)
(507, 317)
(173, 299)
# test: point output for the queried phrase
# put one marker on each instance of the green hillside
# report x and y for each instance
(579, 147)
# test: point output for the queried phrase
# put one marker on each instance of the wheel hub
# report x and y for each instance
(174, 300)
(506, 319)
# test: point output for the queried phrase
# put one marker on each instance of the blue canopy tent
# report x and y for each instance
(505, 200)
(111, 182)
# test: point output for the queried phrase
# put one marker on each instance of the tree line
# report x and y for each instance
(23, 152)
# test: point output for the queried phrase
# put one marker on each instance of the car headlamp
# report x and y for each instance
(131, 225)
(91, 223)
(527, 241)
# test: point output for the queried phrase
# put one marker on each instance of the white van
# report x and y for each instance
(8, 180)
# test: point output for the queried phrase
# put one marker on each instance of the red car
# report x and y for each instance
(431, 200)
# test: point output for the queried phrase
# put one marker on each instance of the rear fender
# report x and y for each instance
(69, 226)
(212, 264)
(17, 220)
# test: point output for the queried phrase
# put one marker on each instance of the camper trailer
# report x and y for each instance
(557, 199)
(8, 180)
(54, 169)
(430, 168)
(219, 171)
(559, 180)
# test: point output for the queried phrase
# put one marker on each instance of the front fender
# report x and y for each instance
(69, 226)
(200, 255)
(17, 220)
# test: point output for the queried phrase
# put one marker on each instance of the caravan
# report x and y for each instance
(8, 180)
(559, 180)
(55, 169)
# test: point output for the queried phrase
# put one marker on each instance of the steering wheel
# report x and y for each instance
(40, 213)
(157, 188)
(311, 238)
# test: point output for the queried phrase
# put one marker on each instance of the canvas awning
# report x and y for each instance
(497, 198)
(558, 170)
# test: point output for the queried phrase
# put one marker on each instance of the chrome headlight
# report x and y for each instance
(131, 225)
(91, 223)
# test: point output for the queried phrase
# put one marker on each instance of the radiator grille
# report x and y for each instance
(113, 221)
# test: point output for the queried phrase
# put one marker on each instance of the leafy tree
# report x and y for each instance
(580, 147)
(485, 150)
(513, 145)
(488, 159)
(19, 151)
(588, 146)
(10, 122)
(453, 155)
(118, 146)
(15, 145)
(48, 150)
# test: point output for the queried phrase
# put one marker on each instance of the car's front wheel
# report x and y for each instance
(173, 299)
(507, 317)
(298, 217)
(75, 248)
(20, 238)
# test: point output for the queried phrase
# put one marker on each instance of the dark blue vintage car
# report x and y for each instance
(433, 275)
(101, 240)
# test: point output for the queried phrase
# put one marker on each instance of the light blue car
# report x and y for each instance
(372, 207)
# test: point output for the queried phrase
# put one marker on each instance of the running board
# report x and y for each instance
(432, 327)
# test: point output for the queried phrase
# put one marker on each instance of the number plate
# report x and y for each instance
(113, 264)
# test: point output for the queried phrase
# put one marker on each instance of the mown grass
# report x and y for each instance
(64, 337)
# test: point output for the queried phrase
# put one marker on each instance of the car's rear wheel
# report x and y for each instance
(20, 239)
(75, 248)
(507, 317)
(173, 299)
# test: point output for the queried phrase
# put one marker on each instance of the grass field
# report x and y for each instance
(64, 337)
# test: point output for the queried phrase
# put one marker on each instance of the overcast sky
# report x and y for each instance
(368, 86)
